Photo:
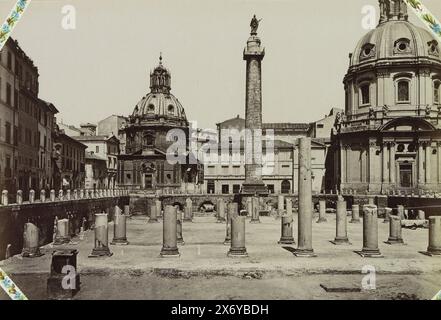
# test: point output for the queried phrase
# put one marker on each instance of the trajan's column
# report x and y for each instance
(253, 55)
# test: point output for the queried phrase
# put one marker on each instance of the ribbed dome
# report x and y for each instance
(396, 40)
(159, 104)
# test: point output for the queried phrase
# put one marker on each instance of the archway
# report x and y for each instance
(286, 187)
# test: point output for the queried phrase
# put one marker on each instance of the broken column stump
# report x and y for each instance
(101, 248)
(169, 233)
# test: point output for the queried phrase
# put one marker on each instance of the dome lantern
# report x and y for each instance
(160, 79)
(393, 10)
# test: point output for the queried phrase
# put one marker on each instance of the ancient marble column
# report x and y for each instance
(188, 210)
(434, 248)
(253, 55)
(420, 164)
(400, 212)
(322, 211)
(158, 208)
(255, 211)
(221, 211)
(127, 210)
(119, 228)
(19, 197)
(238, 249)
(280, 206)
(355, 213)
(370, 233)
(231, 212)
(153, 214)
(387, 214)
(287, 230)
(101, 248)
(341, 236)
(392, 163)
(62, 235)
(395, 231)
(304, 247)
(170, 241)
(5, 200)
(31, 247)
(31, 196)
(179, 221)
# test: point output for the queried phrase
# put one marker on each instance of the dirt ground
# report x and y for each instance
(270, 272)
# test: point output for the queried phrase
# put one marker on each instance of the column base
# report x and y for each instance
(393, 241)
(220, 220)
(100, 252)
(227, 242)
(254, 188)
(188, 220)
(31, 253)
(181, 241)
(169, 253)
(120, 242)
(154, 220)
(367, 253)
(322, 220)
(304, 253)
(237, 253)
(60, 241)
(286, 240)
(255, 221)
(431, 252)
(355, 221)
(341, 241)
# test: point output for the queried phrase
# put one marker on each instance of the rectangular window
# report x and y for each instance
(403, 91)
(436, 92)
(236, 188)
(97, 149)
(8, 132)
(365, 94)
(8, 94)
(9, 61)
(225, 189)
(270, 188)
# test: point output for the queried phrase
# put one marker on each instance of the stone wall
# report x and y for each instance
(42, 214)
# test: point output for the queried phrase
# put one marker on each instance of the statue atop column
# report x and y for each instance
(254, 25)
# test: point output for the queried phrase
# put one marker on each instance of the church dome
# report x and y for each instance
(159, 103)
(396, 40)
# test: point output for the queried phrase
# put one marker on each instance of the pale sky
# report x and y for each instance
(102, 67)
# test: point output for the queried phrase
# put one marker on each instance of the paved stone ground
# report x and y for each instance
(270, 272)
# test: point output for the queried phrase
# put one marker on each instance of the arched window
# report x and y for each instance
(403, 92)
(365, 94)
(436, 91)
(286, 187)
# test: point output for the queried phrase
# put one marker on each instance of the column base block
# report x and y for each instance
(304, 253)
(188, 220)
(31, 253)
(155, 220)
(170, 253)
(100, 252)
(120, 242)
(432, 252)
(393, 241)
(181, 241)
(341, 242)
(369, 253)
(286, 241)
(255, 221)
(254, 188)
(237, 253)
(221, 220)
(322, 220)
(355, 221)
(61, 240)
(227, 242)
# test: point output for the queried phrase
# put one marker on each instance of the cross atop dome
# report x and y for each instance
(393, 10)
